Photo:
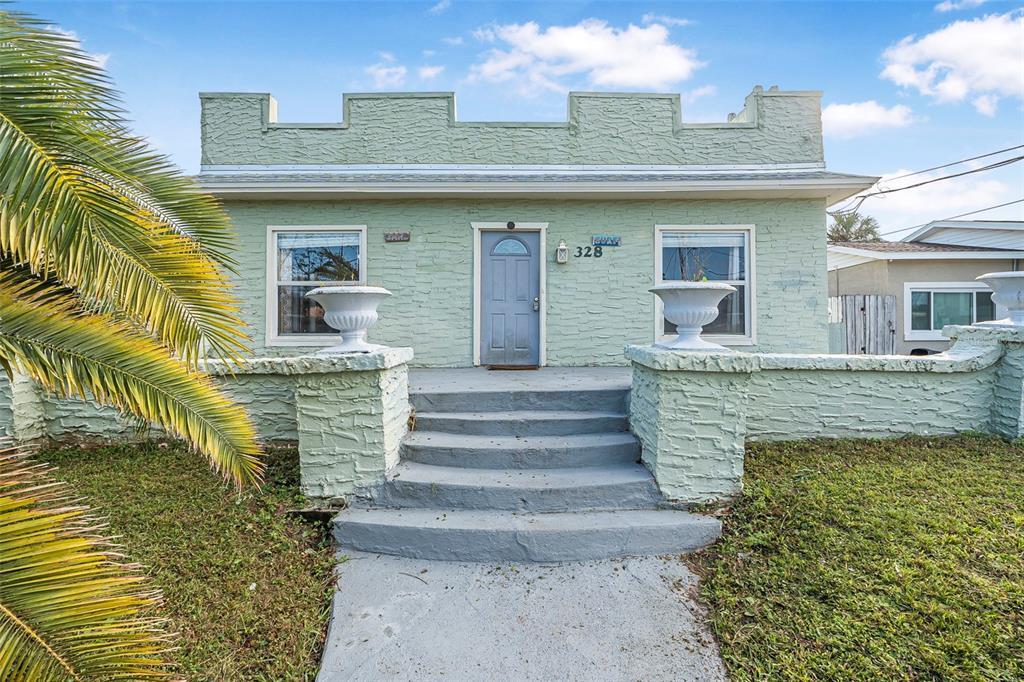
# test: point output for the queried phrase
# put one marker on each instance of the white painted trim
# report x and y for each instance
(922, 232)
(949, 287)
(542, 228)
(926, 255)
(749, 339)
(270, 275)
(483, 168)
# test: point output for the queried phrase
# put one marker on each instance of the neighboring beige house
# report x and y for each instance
(929, 277)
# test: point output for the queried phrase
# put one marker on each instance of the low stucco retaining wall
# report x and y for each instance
(693, 411)
(348, 413)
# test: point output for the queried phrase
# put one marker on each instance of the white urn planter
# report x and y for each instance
(352, 310)
(1008, 292)
(690, 306)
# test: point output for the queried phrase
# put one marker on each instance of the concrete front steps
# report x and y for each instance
(530, 474)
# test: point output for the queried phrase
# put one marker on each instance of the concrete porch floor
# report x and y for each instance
(443, 380)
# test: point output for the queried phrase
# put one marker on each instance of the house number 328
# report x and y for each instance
(589, 251)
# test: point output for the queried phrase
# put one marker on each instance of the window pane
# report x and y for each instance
(318, 256)
(510, 247)
(731, 316)
(950, 308)
(985, 309)
(920, 310)
(297, 314)
(694, 256)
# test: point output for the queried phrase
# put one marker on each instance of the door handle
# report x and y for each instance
(536, 303)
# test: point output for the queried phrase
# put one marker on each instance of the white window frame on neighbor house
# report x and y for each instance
(478, 229)
(273, 338)
(750, 303)
(938, 287)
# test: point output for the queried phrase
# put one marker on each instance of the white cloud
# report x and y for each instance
(452, 40)
(692, 96)
(427, 72)
(602, 55)
(429, 53)
(944, 199)
(388, 57)
(979, 59)
(99, 59)
(954, 5)
(863, 118)
(385, 76)
(651, 18)
(441, 7)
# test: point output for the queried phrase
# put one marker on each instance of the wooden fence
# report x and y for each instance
(869, 322)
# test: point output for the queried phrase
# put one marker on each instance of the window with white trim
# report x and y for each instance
(301, 259)
(717, 255)
(928, 307)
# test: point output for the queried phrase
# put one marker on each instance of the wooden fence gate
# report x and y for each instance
(869, 321)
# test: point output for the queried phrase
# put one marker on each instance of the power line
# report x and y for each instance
(843, 209)
(864, 197)
(962, 215)
(956, 163)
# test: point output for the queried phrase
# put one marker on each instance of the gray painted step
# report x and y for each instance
(623, 486)
(509, 452)
(522, 422)
(605, 400)
(508, 536)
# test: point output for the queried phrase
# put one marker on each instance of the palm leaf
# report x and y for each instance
(68, 609)
(72, 352)
(84, 201)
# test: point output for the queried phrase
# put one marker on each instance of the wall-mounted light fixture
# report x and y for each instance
(562, 253)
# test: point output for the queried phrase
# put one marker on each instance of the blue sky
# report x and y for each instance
(907, 85)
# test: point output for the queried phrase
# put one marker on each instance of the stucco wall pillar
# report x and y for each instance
(351, 413)
(1007, 407)
(28, 410)
(692, 424)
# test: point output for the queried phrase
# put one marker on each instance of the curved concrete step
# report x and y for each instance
(509, 452)
(603, 400)
(508, 536)
(522, 422)
(622, 486)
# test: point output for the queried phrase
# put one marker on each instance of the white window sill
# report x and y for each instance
(312, 341)
(724, 340)
(925, 336)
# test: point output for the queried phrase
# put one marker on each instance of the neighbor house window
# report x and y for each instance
(710, 254)
(931, 306)
(299, 260)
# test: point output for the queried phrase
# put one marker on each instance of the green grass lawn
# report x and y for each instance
(873, 560)
(247, 587)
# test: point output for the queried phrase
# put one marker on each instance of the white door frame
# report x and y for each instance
(479, 228)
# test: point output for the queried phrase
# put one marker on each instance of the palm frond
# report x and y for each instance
(85, 201)
(72, 352)
(69, 610)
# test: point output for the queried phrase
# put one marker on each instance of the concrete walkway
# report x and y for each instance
(622, 619)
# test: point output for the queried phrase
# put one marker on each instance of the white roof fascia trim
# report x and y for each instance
(654, 185)
(440, 168)
(929, 255)
(924, 231)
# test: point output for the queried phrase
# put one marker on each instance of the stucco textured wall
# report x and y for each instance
(693, 411)
(691, 426)
(594, 305)
(349, 427)
(602, 128)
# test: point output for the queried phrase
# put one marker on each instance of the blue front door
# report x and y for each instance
(510, 298)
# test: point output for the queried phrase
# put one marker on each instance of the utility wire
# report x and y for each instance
(956, 163)
(962, 215)
(844, 209)
(864, 197)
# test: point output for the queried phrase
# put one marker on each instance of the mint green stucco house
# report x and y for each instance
(401, 194)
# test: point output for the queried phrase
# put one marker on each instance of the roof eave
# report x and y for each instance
(831, 191)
